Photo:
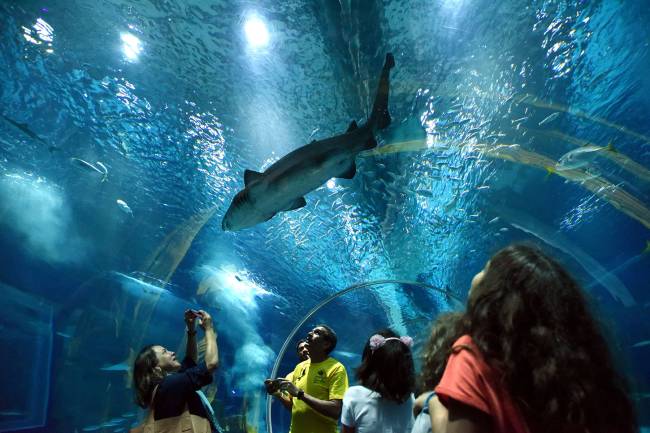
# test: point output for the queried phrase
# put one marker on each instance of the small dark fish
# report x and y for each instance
(25, 129)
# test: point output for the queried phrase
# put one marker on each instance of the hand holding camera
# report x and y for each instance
(272, 385)
(190, 319)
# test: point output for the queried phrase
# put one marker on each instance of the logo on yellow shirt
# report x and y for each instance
(320, 377)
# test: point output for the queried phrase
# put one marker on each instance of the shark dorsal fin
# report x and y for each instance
(250, 176)
(353, 126)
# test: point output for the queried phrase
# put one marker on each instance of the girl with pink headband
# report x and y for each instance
(383, 399)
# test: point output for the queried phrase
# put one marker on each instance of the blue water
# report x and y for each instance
(176, 99)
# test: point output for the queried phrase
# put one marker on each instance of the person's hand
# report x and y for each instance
(286, 385)
(272, 386)
(205, 320)
(190, 319)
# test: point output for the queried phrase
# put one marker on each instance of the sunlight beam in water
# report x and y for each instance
(256, 32)
(131, 46)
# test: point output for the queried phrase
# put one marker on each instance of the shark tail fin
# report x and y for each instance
(610, 147)
(549, 171)
(380, 118)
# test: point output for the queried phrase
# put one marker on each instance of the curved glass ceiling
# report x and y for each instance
(126, 129)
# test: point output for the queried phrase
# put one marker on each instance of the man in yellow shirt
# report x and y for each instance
(317, 386)
(272, 387)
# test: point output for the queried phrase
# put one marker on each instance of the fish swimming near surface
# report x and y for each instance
(98, 167)
(549, 119)
(283, 185)
(582, 156)
(23, 127)
(124, 207)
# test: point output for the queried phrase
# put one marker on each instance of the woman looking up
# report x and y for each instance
(169, 387)
(533, 359)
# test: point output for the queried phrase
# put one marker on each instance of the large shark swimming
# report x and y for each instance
(283, 185)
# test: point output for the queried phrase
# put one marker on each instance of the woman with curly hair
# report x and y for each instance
(533, 359)
(383, 402)
(430, 414)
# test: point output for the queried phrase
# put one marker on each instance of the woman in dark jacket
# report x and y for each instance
(167, 386)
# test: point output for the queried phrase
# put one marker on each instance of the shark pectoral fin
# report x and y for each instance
(250, 176)
(349, 173)
(353, 126)
(297, 204)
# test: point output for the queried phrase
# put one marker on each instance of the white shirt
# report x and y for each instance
(366, 411)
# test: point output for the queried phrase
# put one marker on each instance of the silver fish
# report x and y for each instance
(549, 119)
(124, 207)
(580, 157)
(85, 165)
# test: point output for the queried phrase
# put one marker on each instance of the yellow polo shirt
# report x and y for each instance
(325, 380)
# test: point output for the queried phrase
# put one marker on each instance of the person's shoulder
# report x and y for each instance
(302, 363)
(464, 339)
(358, 392)
(362, 390)
(167, 385)
(334, 366)
(467, 348)
(333, 363)
(466, 359)
(465, 343)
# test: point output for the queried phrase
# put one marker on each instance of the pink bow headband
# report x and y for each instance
(376, 341)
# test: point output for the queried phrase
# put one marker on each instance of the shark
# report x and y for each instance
(283, 186)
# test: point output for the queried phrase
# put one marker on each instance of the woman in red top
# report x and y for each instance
(533, 359)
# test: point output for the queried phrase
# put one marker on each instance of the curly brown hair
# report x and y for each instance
(532, 322)
(445, 330)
